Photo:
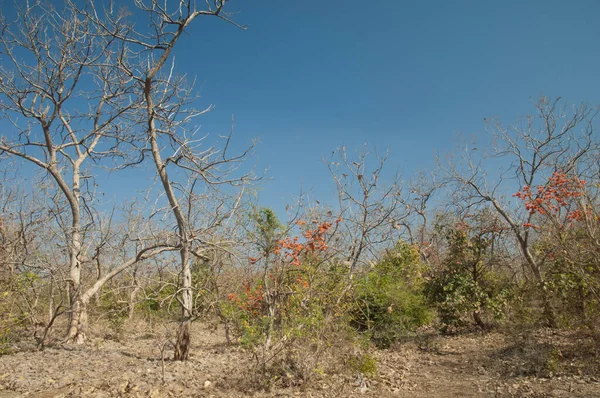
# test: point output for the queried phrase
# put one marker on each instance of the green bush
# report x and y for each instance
(573, 283)
(157, 301)
(17, 308)
(115, 309)
(388, 300)
(300, 333)
(465, 288)
(365, 364)
(10, 326)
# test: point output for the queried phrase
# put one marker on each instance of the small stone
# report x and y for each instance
(207, 383)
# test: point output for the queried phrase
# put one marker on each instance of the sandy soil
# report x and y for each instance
(543, 364)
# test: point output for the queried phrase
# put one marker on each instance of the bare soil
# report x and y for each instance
(534, 364)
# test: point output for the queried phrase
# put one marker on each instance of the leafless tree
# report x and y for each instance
(373, 212)
(68, 109)
(418, 202)
(188, 169)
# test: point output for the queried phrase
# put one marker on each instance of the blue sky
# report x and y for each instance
(307, 77)
(405, 76)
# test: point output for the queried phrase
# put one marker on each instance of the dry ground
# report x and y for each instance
(540, 364)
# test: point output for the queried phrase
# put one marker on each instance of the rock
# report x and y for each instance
(207, 384)
(153, 393)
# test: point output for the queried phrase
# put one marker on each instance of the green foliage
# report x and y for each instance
(115, 309)
(246, 314)
(10, 324)
(572, 276)
(388, 300)
(294, 322)
(266, 229)
(157, 300)
(205, 286)
(7, 337)
(14, 314)
(465, 286)
(149, 305)
(365, 364)
(300, 309)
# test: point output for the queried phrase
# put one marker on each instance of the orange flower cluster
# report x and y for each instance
(301, 281)
(577, 215)
(252, 302)
(550, 198)
(315, 242)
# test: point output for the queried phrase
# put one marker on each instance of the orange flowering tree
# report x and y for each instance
(563, 215)
(284, 303)
(554, 136)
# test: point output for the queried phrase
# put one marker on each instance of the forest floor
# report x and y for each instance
(527, 364)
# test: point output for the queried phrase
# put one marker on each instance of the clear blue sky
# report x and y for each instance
(408, 76)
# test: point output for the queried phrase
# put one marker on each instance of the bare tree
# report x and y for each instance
(186, 167)
(423, 189)
(373, 212)
(67, 106)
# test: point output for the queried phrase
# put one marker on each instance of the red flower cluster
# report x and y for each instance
(550, 198)
(315, 242)
(252, 302)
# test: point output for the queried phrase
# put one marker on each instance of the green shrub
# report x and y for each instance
(157, 301)
(115, 309)
(388, 300)
(465, 288)
(9, 328)
(15, 314)
(365, 364)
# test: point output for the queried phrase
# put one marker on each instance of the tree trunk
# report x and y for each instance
(182, 344)
(78, 313)
(549, 313)
(133, 295)
(51, 299)
(77, 322)
(478, 320)
(132, 299)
